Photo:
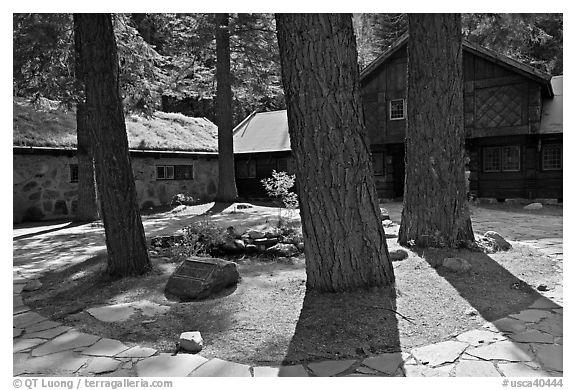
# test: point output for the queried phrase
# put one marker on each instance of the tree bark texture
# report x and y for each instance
(227, 191)
(125, 240)
(435, 212)
(87, 207)
(345, 245)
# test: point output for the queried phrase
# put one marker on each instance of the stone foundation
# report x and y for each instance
(42, 189)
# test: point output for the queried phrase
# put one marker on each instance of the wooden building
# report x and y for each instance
(513, 122)
(261, 145)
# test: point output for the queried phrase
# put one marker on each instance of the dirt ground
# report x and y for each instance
(269, 318)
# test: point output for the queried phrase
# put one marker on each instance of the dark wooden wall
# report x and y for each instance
(501, 107)
(265, 164)
(530, 182)
(497, 101)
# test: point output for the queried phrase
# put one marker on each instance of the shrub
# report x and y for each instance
(183, 199)
(201, 238)
(278, 187)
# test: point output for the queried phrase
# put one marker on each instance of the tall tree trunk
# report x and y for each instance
(345, 245)
(226, 181)
(125, 240)
(435, 207)
(87, 208)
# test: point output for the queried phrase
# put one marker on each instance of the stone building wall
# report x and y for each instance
(42, 187)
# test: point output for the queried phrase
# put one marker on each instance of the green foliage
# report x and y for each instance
(375, 33)
(278, 186)
(201, 238)
(534, 39)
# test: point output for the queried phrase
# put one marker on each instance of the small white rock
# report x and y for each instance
(191, 342)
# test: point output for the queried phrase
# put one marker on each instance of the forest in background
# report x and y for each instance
(168, 61)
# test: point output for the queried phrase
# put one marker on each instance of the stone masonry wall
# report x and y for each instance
(42, 189)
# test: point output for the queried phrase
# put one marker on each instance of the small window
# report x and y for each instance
(491, 159)
(551, 157)
(397, 109)
(183, 172)
(378, 164)
(511, 158)
(73, 173)
(165, 172)
(246, 169)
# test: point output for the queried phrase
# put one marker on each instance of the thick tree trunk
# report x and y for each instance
(345, 245)
(125, 240)
(87, 206)
(226, 181)
(435, 206)
(87, 209)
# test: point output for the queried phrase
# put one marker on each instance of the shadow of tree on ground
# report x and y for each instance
(334, 326)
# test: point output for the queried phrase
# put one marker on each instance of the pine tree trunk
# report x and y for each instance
(435, 206)
(87, 207)
(345, 245)
(125, 240)
(226, 181)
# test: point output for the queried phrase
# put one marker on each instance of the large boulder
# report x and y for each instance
(283, 250)
(201, 277)
(255, 234)
(398, 255)
(499, 243)
(456, 264)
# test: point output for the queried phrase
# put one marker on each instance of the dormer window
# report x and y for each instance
(397, 109)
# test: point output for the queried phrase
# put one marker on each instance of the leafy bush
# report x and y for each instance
(278, 187)
(201, 238)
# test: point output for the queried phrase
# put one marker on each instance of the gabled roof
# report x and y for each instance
(56, 128)
(262, 132)
(490, 55)
(552, 115)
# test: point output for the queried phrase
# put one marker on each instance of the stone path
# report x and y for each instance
(527, 343)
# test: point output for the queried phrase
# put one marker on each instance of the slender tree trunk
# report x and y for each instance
(345, 245)
(435, 207)
(87, 208)
(226, 181)
(125, 240)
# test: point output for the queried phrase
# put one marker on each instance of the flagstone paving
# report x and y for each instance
(527, 343)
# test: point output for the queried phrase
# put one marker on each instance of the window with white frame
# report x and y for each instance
(510, 158)
(501, 158)
(397, 109)
(164, 172)
(551, 157)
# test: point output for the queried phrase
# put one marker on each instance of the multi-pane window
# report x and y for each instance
(492, 159)
(246, 169)
(511, 158)
(378, 163)
(73, 173)
(397, 109)
(183, 172)
(551, 157)
(501, 158)
(174, 172)
(164, 172)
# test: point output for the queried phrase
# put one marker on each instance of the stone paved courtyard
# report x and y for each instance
(527, 343)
